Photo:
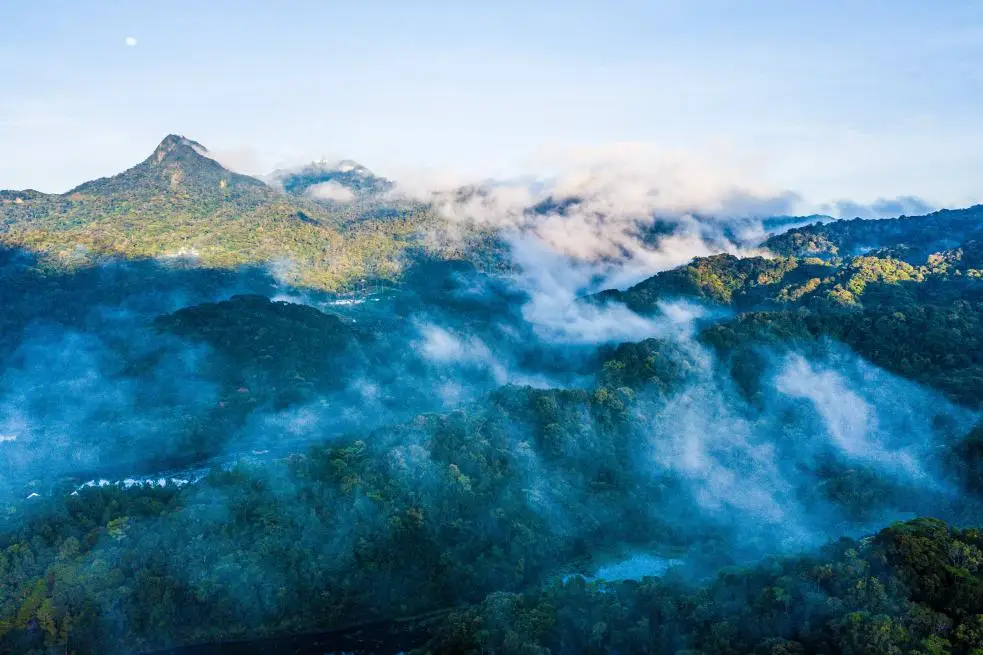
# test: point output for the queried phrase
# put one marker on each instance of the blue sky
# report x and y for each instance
(835, 100)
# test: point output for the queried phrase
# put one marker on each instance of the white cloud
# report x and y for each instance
(331, 191)
(554, 283)
(244, 159)
(440, 345)
(880, 208)
(628, 209)
(131, 41)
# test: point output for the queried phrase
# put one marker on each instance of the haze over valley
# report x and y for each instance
(626, 398)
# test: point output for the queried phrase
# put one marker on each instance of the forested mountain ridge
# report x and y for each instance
(903, 304)
(204, 453)
(330, 181)
(838, 264)
(498, 498)
(335, 223)
(912, 588)
(919, 235)
(180, 202)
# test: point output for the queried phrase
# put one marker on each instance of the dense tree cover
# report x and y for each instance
(98, 355)
(720, 279)
(181, 203)
(112, 327)
(121, 571)
(650, 364)
(785, 283)
(502, 496)
(419, 517)
(397, 511)
(915, 587)
(921, 321)
(938, 345)
(920, 235)
(142, 288)
(285, 351)
(358, 180)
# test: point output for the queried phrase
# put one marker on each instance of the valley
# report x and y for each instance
(529, 449)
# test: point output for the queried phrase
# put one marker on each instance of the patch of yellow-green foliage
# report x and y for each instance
(322, 255)
(178, 203)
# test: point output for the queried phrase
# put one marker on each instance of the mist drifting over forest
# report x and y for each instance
(520, 417)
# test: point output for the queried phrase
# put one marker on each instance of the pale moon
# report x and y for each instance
(131, 41)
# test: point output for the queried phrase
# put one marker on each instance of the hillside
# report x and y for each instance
(915, 587)
(916, 236)
(429, 451)
(902, 304)
(179, 202)
(342, 181)
(201, 453)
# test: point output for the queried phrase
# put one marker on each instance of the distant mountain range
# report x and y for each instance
(192, 456)
(336, 223)
(341, 181)
(830, 265)
(181, 203)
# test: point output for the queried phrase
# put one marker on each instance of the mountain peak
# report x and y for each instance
(331, 180)
(178, 164)
(342, 166)
(177, 147)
